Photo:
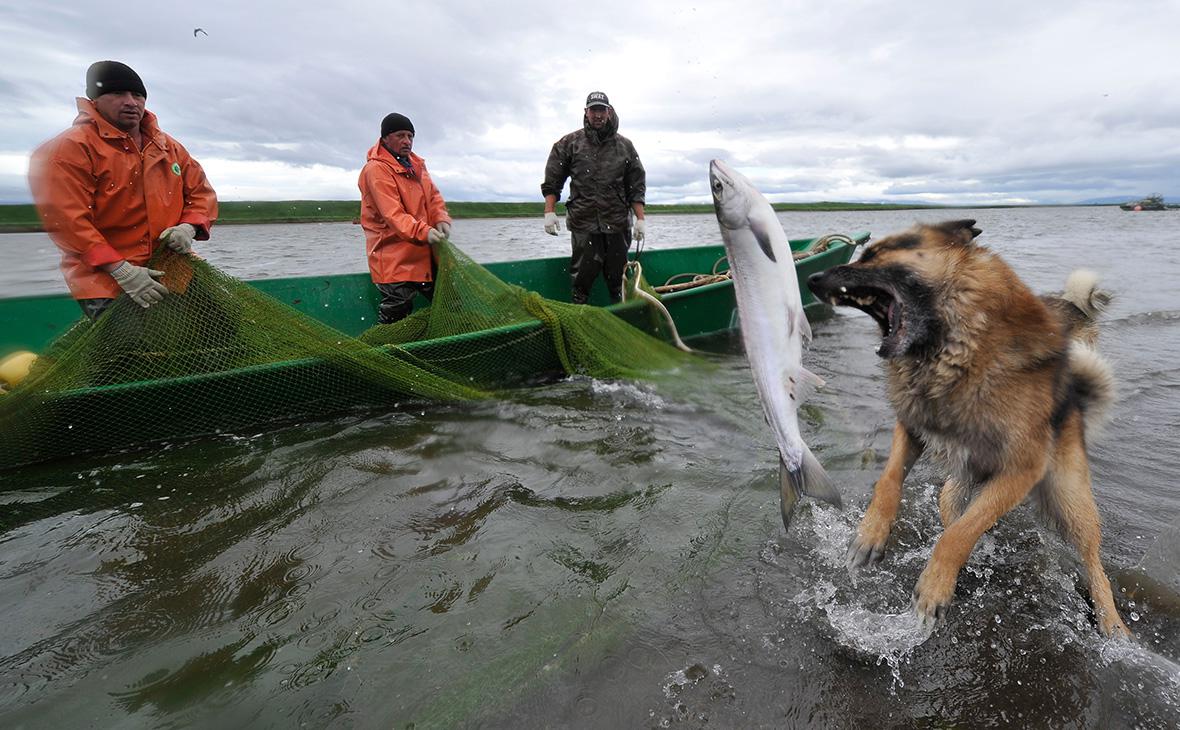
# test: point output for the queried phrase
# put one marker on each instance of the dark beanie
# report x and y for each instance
(107, 77)
(396, 123)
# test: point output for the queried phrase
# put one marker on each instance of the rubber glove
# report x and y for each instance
(444, 228)
(140, 283)
(639, 230)
(551, 224)
(433, 236)
(179, 238)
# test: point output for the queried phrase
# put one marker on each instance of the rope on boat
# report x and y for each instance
(632, 276)
(819, 245)
(823, 243)
(697, 279)
(634, 272)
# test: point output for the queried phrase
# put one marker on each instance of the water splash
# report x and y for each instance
(1142, 672)
(692, 693)
(631, 393)
(885, 637)
(891, 637)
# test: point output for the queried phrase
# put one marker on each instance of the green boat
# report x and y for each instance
(309, 388)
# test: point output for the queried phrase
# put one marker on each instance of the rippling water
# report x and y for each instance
(589, 553)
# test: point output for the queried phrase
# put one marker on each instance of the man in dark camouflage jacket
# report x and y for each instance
(607, 185)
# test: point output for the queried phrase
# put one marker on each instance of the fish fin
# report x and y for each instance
(810, 479)
(790, 490)
(811, 378)
(804, 384)
(816, 482)
(762, 236)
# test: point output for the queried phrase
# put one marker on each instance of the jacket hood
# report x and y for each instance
(608, 131)
(378, 153)
(88, 114)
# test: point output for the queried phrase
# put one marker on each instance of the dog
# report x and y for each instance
(999, 384)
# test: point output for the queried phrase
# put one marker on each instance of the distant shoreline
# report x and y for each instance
(22, 218)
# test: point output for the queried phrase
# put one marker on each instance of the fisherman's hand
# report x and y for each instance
(140, 283)
(444, 228)
(434, 236)
(639, 230)
(551, 224)
(179, 238)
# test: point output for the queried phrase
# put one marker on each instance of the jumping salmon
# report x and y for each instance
(773, 327)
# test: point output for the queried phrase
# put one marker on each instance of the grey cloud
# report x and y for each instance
(1030, 101)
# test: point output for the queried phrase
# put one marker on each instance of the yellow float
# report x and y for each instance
(14, 368)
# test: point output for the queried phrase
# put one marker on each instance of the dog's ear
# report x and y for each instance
(962, 232)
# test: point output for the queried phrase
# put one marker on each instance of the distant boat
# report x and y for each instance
(1155, 201)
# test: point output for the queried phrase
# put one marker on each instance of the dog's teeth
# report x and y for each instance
(843, 290)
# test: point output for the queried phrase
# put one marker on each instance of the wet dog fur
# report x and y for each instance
(1001, 385)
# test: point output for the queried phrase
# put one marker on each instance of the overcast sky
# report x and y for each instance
(941, 101)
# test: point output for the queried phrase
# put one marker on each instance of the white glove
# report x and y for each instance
(433, 236)
(140, 283)
(551, 224)
(179, 238)
(639, 230)
(444, 228)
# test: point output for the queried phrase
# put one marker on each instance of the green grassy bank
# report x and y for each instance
(17, 218)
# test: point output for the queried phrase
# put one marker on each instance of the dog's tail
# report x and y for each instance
(1093, 379)
(1093, 383)
(1079, 305)
(1081, 290)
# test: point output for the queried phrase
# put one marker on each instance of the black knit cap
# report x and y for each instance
(396, 123)
(108, 77)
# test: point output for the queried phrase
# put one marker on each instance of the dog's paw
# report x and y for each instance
(932, 596)
(1112, 626)
(863, 552)
(868, 548)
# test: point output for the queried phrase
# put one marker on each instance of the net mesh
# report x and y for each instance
(585, 340)
(218, 355)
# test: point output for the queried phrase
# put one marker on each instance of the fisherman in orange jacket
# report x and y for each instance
(114, 186)
(403, 215)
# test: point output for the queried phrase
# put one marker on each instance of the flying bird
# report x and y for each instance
(198, 30)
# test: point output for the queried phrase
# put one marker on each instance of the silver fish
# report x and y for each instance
(773, 327)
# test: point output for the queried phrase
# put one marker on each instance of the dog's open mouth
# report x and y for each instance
(882, 306)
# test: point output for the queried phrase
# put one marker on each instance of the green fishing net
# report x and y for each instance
(586, 340)
(218, 355)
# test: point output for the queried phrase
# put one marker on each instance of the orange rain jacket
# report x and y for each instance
(103, 200)
(398, 209)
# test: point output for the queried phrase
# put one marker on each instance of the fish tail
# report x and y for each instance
(790, 489)
(808, 478)
(817, 483)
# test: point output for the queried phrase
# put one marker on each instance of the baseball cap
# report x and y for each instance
(597, 98)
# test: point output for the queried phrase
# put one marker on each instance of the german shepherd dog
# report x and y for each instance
(999, 384)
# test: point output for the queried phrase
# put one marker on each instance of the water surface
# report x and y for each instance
(591, 553)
